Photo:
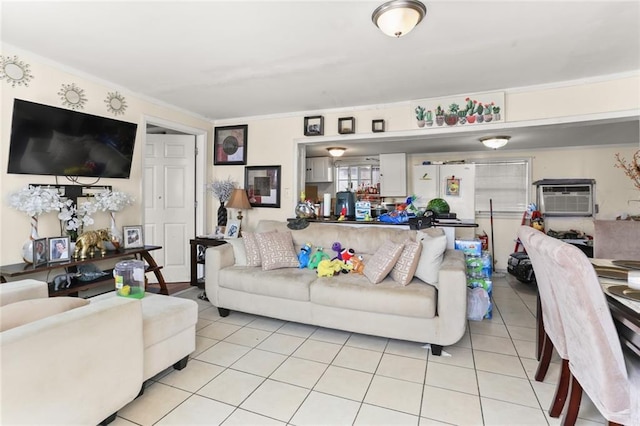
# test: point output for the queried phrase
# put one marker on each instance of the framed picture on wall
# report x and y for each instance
(263, 185)
(230, 145)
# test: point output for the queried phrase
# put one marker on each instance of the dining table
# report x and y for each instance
(624, 310)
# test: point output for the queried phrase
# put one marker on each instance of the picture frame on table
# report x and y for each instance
(230, 145)
(262, 184)
(232, 229)
(132, 236)
(40, 252)
(59, 249)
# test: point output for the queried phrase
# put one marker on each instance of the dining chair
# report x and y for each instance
(548, 321)
(596, 361)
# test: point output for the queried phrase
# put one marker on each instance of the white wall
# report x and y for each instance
(43, 88)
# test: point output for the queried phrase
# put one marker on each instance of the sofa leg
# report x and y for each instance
(224, 312)
(436, 349)
(182, 363)
(108, 419)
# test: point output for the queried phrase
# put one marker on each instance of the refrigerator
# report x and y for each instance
(455, 183)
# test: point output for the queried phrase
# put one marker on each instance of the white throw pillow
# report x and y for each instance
(276, 250)
(407, 263)
(239, 250)
(433, 248)
(382, 262)
(26, 311)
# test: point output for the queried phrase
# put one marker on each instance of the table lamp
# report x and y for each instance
(239, 201)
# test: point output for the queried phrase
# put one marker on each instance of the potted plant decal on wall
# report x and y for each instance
(451, 118)
(439, 116)
(420, 116)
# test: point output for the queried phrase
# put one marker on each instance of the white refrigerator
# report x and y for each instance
(455, 183)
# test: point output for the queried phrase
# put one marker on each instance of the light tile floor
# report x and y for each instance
(251, 370)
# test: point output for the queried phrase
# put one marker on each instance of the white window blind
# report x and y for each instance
(506, 183)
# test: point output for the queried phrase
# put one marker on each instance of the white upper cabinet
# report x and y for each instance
(319, 169)
(393, 175)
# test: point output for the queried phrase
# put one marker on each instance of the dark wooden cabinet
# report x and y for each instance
(198, 248)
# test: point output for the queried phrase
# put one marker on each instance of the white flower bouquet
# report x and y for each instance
(112, 201)
(222, 189)
(35, 200)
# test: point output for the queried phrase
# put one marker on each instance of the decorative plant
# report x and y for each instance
(420, 113)
(632, 169)
(471, 106)
(487, 108)
(496, 109)
(429, 116)
(74, 218)
(453, 108)
(439, 111)
(479, 109)
(222, 189)
(35, 200)
(112, 201)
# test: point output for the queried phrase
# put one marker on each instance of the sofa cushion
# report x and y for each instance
(239, 250)
(26, 311)
(276, 250)
(251, 249)
(165, 316)
(407, 263)
(434, 244)
(353, 291)
(382, 262)
(285, 283)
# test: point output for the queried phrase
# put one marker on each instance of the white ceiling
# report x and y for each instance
(230, 59)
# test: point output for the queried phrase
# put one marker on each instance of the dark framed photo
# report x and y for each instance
(346, 125)
(132, 236)
(263, 185)
(230, 145)
(59, 249)
(39, 251)
(314, 126)
(377, 126)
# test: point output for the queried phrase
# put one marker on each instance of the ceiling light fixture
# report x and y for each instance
(495, 142)
(397, 17)
(336, 151)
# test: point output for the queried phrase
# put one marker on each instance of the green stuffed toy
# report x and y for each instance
(318, 256)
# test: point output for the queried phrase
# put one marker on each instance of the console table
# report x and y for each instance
(20, 269)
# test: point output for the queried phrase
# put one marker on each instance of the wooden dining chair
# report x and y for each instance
(549, 321)
(595, 357)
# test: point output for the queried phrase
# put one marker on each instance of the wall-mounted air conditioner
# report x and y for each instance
(566, 197)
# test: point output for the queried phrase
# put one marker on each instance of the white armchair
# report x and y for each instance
(74, 367)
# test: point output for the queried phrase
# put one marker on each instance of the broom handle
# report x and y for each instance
(493, 261)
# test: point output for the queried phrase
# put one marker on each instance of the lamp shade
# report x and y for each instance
(495, 142)
(238, 200)
(398, 17)
(336, 151)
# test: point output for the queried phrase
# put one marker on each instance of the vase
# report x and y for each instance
(471, 119)
(488, 118)
(222, 215)
(114, 232)
(439, 120)
(27, 247)
(420, 123)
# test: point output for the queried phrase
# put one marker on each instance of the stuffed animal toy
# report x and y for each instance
(347, 254)
(357, 265)
(337, 247)
(304, 256)
(328, 268)
(317, 257)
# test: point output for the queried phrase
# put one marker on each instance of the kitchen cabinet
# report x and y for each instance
(393, 175)
(455, 183)
(319, 169)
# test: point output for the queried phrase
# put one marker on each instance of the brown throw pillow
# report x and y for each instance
(276, 250)
(379, 266)
(407, 263)
(26, 311)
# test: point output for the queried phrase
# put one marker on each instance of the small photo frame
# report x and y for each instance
(219, 232)
(59, 249)
(233, 229)
(453, 186)
(132, 236)
(263, 186)
(314, 126)
(346, 125)
(230, 145)
(377, 126)
(39, 252)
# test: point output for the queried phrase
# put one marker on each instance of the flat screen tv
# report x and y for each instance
(47, 140)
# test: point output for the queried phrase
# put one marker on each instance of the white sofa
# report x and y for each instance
(82, 365)
(424, 312)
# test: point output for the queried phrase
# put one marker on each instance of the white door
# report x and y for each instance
(169, 196)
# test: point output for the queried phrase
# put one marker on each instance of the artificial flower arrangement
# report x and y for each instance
(631, 169)
(35, 200)
(112, 201)
(222, 189)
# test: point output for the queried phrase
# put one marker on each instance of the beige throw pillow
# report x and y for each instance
(276, 250)
(26, 311)
(379, 266)
(433, 248)
(407, 263)
(251, 249)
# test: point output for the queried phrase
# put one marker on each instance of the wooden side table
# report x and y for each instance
(199, 247)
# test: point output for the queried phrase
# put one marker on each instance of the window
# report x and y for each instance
(352, 177)
(506, 183)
